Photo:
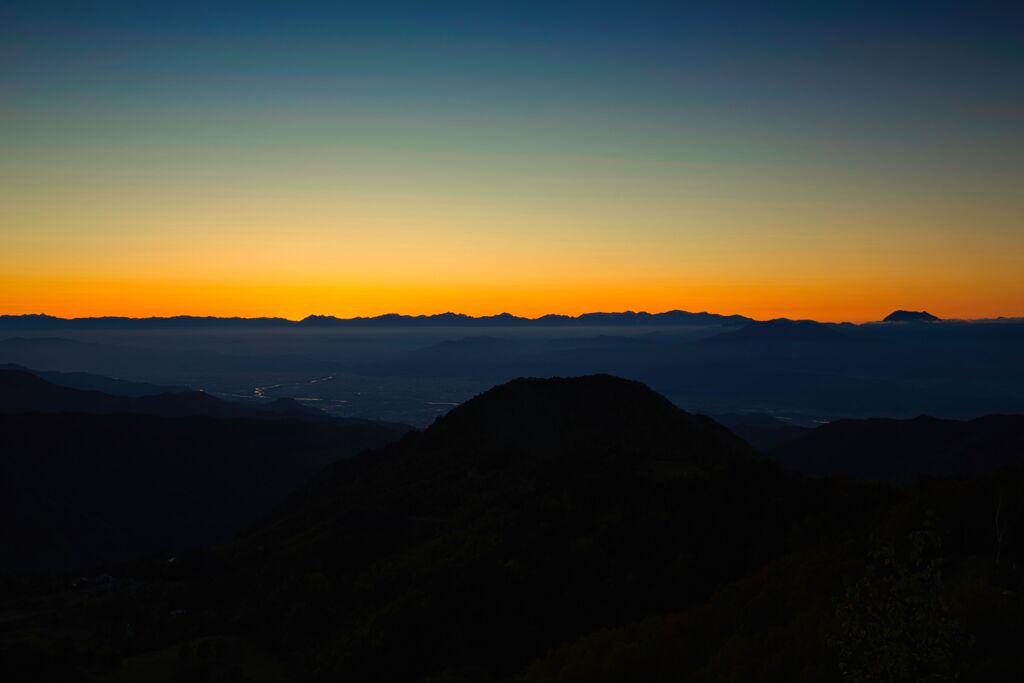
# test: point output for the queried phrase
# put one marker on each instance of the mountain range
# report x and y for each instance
(625, 318)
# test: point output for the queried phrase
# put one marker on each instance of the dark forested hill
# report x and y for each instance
(539, 510)
(903, 450)
(77, 490)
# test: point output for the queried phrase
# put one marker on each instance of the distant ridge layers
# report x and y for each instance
(42, 321)
(29, 391)
(910, 317)
(782, 330)
(627, 318)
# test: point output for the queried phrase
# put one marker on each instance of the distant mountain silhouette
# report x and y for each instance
(47, 322)
(902, 450)
(781, 330)
(24, 392)
(910, 317)
(627, 318)
(91, 382)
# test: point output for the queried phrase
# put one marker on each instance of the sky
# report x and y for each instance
(812, 160)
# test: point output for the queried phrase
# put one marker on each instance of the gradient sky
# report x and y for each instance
(809, 160)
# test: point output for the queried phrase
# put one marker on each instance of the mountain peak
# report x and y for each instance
(591, 413)
(902, 316)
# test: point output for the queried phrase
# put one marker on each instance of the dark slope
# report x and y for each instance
(540, 418)
(78, 489)
(22, 391)
(91, 382)
(929, 594)
(902, 450)
(782, 330)
(538, 511)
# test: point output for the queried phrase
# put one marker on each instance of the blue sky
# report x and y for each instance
(679, 139)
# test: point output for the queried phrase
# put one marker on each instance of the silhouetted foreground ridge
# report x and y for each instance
(600, 413)
(577, 529)
(87, 477)
(528, 516)
(904, 450)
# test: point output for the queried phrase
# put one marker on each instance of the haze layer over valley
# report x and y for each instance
(412, 370)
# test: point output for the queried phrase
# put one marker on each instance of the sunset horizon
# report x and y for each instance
(820, 164)
(523, 342)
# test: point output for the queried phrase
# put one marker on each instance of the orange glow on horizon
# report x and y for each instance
(259, 249)
(356, 169)
(137, 298)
